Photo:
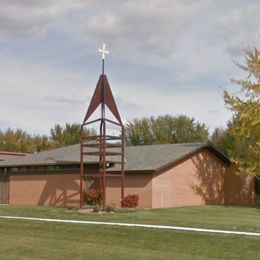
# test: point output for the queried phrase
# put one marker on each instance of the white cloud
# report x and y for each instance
(151, 27)
(31, 17)
(31, 96)
(236, 26)
(166, 57)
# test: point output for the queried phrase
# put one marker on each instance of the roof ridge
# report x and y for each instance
(145, 145)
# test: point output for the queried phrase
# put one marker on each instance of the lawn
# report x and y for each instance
(37, 240)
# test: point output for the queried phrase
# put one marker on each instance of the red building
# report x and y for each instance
(4, 178)
(168, 175)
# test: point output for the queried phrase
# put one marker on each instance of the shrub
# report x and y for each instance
(130, 201)
(96, 209)
(92, 197)
(110, 208)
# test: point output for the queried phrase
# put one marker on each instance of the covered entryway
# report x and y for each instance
(4, 187)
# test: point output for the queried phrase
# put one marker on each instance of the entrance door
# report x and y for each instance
(4, 187)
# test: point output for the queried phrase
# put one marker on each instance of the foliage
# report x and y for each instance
(246, 107)
(20, 141)
(96, 209)
(165, 129)
(224, 139)
(110, 208)
(68, 134)
(130, 201)
(43, 143)
(92, 197)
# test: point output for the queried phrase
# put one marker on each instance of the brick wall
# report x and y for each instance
(135, 183)
(44, 189)
(197, 180)
(200, 179)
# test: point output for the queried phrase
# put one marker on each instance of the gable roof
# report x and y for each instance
(157, 157)
(138, 158)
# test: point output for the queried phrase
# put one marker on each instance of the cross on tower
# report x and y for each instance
(104, 52)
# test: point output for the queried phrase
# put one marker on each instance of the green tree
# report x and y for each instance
(43, 143)
(224, 139)
(165, 129)
(16, 141)
(68, 134)
(20, 141)
(139, 132)
(246, 106)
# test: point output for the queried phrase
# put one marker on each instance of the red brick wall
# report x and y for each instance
(135, 183)
(63, 189)
(44, 189)
(239, 189)
(197, 180)
(201, 179)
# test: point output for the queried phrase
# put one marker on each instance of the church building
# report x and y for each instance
(168, 175)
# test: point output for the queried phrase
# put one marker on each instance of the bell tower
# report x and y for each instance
(105, 149)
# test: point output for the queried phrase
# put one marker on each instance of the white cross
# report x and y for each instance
(103, 51)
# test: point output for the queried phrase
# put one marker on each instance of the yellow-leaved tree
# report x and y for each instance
(246, 106)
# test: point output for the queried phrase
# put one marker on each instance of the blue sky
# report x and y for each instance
(166, 57)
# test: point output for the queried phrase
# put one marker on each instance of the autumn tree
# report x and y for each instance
(165, 129)
(246, 107)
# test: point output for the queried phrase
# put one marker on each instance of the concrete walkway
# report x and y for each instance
(134, 225)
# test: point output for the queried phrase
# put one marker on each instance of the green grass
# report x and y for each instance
(40, 240)
(231, 218)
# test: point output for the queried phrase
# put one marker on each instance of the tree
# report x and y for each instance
(246, 107)
(68, 134)
(165, 129)
(20, 141)
(16, 141)
(43, 143)
(139, 132)
(224, 139)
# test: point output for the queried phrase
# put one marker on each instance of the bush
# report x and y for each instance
(110, 208)
(96, 209)
(92, 197)
(130, 201)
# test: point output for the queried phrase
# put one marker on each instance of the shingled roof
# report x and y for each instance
(138, 158)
